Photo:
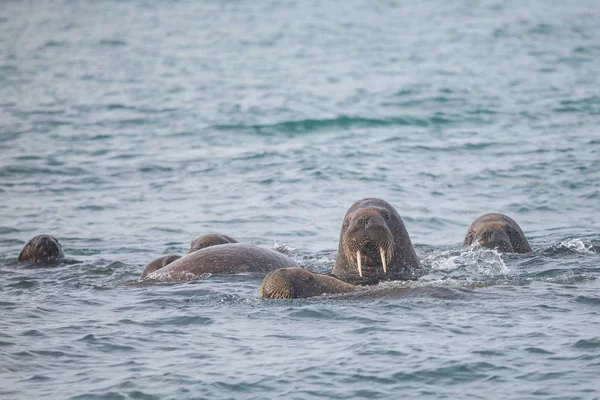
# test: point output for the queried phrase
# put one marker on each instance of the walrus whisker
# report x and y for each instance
(382, 253)
(359, 262)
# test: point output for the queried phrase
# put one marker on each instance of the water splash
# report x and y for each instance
(283, 248)
(575, 245)
(470, 264)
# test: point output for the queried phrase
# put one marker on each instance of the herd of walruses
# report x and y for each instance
(374, 246)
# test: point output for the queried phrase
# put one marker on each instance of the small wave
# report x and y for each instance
(183, 320)
(572, 246)
(341, 122)
(588, 343)
(593, 301)
(23, 284)
(5, 230)
(558, 276)
(112, 42)
(11, 170)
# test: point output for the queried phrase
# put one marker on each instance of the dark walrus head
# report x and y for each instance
(292, 283)
(497, 231)
(212, 239)
(42, 249)
(158, 263)
(374, 245)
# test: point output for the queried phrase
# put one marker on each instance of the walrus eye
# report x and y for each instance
(386, 214)
(470, 236)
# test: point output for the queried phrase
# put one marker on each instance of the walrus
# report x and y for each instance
(497, 231)
(42, 250)
(374, 245)
(201, 242)
(224, 259)
(212, 239)
(158, 263)
(291, 283)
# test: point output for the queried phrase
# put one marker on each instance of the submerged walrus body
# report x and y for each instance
(497, 231)
(224, 259)
(291, 283)
(201, 242)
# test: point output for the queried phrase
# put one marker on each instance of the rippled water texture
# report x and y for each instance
(128, 128)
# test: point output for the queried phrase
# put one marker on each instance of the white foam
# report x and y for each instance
(283, 248)
(576, 245)
(476, 261)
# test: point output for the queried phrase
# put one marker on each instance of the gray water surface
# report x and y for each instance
(128, 128)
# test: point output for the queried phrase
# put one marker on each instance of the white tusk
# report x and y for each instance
(359, 262)
(382, 253)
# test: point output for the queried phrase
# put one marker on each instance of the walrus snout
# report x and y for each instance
(368, 238)
(374, 245)
(494, 239)
(42, 249)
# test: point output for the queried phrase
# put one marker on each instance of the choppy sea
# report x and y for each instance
(128, 128)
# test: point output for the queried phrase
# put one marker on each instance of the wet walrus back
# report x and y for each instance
(225, 259)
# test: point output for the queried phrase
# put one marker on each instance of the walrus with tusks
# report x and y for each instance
(41, 250)
(201, 242)
(497, 231)
(374, 246)
(224, 259)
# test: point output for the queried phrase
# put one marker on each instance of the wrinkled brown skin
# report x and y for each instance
(201, 242)
(42, 250)
(212, 239)
(157, 264)
(224, 259)
(369, 224)
(497, 231)
(292, 283)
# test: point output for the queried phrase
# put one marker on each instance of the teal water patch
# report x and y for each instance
(339, 123)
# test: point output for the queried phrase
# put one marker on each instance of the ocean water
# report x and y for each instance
(128, 128)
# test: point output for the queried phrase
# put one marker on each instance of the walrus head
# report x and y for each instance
(292, 283)
(158, 263)
(42, 249)
(212, 239)
(497, 231)
(374, 245)
(368, 242)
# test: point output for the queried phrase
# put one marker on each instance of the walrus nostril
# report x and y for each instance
(363, 220)
(369, 245)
